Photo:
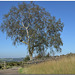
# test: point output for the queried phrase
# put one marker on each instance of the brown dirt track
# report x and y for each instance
(13, 70)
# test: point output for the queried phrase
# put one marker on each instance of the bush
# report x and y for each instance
(13, 63)
(27, 58)
(8, 67)
(48, 55)
(0, 67)
(38, 56)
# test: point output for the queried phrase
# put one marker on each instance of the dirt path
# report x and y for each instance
(13, 70)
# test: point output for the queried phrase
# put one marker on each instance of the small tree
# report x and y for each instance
(33, 26)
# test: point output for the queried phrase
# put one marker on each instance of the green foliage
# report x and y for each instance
(0, 66)
(27, 58)
(14, 63)
(33, 26)
(48, 55)
(38, 56)
(7, 67)
(10, 65)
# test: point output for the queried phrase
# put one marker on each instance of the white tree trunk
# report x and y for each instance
(30, 55)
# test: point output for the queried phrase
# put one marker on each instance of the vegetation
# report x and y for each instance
(65, 65)
(0, 66)
(9, 65)
(33, 26)
(48, 55)
(26, 58)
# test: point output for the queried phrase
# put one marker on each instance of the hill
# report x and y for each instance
(11, 59)
(65, 64)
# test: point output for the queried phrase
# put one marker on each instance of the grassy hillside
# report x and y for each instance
(65, 65)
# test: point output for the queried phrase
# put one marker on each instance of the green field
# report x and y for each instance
(65, 65)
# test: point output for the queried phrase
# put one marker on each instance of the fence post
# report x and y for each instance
(22, 64)
(4, 65)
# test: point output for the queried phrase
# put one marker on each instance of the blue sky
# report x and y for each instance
(64, 10)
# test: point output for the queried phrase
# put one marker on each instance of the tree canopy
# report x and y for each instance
(33, 26)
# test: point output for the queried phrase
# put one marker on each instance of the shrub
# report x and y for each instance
(38, 56)
(27, 58)
(0, 67)
(48, 55)
(8, 67)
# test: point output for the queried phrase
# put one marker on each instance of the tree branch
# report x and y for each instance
(18, 20)
(31, 36)
(36, 45)
(23, 25)
(23, 41)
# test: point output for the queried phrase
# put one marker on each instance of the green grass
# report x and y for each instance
(20, 70)
(65, 65)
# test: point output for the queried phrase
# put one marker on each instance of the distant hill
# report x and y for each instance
(11, 59)
(20, 59)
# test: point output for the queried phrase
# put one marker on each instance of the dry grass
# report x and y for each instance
(65, 65)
